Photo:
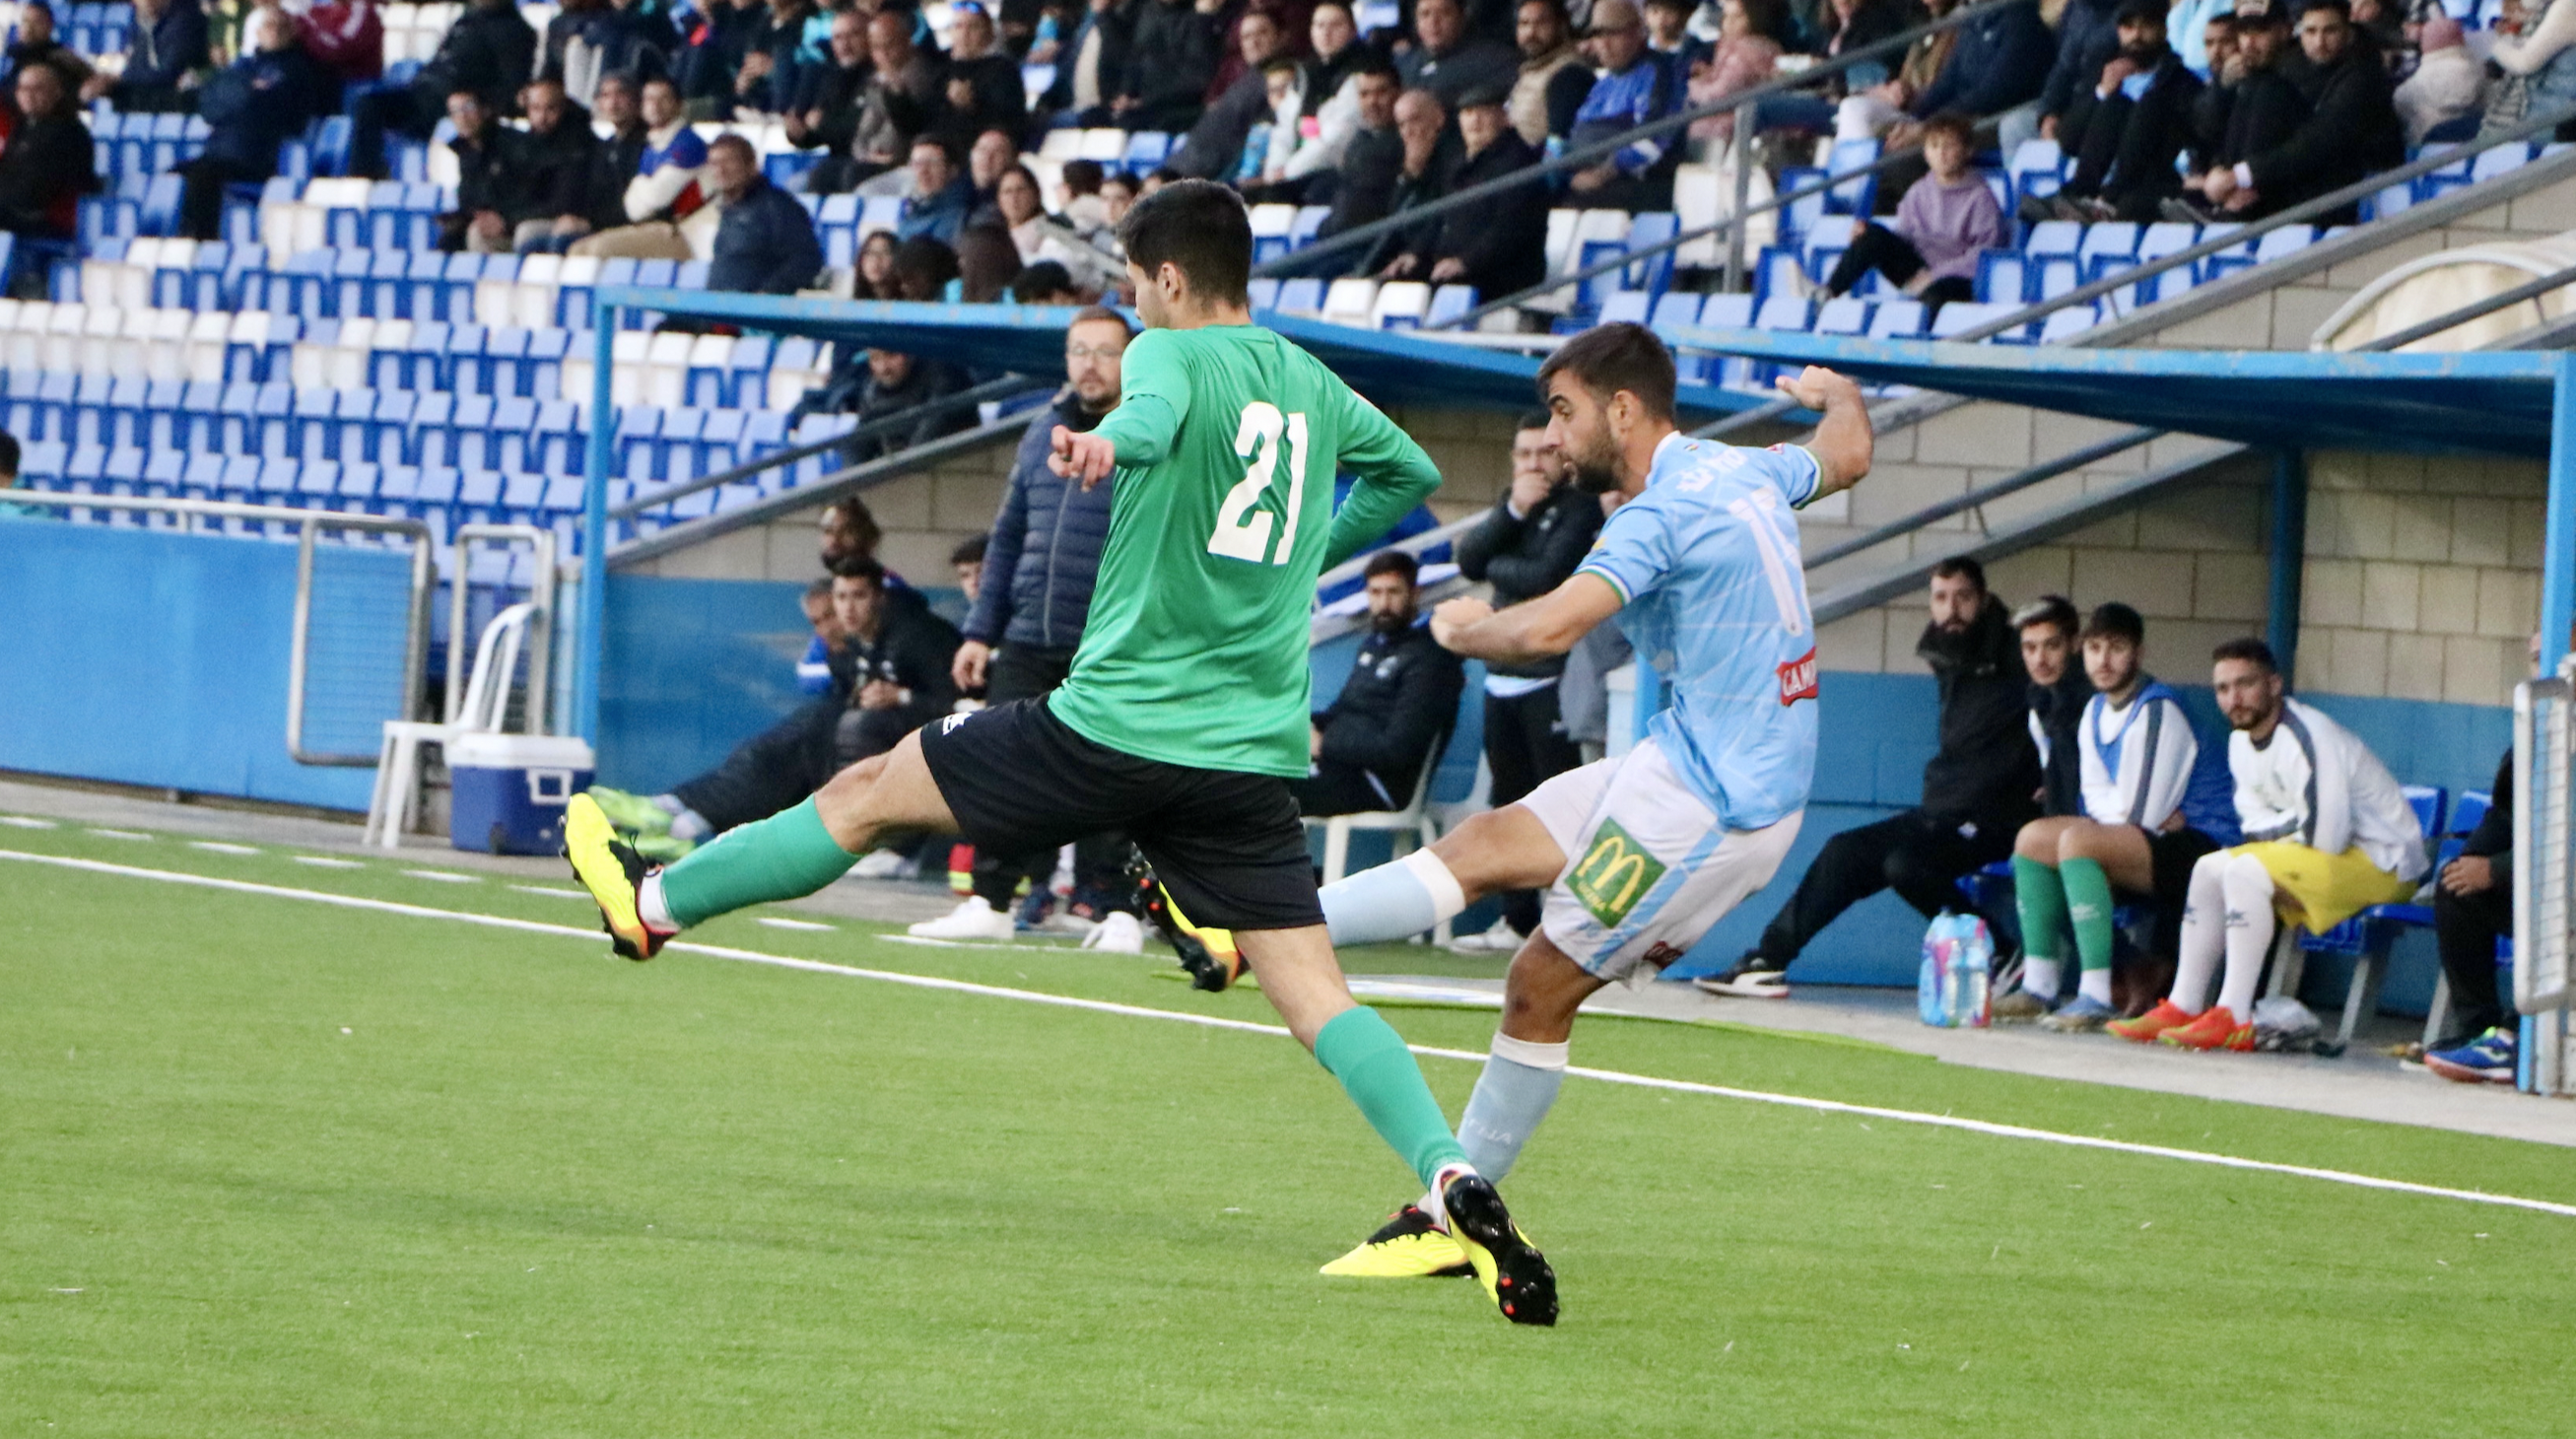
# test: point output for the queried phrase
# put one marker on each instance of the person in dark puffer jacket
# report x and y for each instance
(252, 106)
(1373, 743)
(1039, 564)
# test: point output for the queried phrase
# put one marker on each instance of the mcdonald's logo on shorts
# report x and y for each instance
(1614, 874)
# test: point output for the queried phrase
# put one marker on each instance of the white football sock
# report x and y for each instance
(2095, 985)
(649, 904)
(2041, 977)
(2204, 935)
(2250, 925)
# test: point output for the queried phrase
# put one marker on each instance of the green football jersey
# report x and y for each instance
(1228, 438)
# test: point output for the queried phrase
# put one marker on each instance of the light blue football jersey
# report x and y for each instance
(1715, 595)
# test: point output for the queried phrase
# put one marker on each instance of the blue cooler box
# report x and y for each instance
(511, 789)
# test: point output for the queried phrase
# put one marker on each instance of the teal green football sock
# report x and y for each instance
(786, 856)
(2088, 907)
(2042, 902)
(1365, 1053)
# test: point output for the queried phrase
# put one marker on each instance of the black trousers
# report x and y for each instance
(1337, 787)
(2466, 927)
(201, 194)
(1917, 855)
(1021, 672)
(1525, 746)
(1891, 254)
(772, 771)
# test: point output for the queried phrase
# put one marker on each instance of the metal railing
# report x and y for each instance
(424, 577)
(1582, 156)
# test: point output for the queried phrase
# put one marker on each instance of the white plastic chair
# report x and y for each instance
(487, 701)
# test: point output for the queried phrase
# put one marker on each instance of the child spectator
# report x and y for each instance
(1944, 220)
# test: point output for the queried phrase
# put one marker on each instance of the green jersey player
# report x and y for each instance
(1185, 714)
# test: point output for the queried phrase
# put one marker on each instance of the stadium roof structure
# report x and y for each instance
(1391, 367)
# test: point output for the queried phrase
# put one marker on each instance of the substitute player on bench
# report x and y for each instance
(1639, 855)
(1185, 714)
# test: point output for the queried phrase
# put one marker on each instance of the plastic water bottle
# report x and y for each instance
(1935, 985)
(1974, 965)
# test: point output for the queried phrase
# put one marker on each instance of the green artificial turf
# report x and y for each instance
(268, 1166)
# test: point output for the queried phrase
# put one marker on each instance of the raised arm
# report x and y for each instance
(1843, 442)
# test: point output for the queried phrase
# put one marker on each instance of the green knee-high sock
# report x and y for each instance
(2088, 905)
(2041, 898)
(1366, 1054)
(785, 856)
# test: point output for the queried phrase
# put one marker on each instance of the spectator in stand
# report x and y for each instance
(2134, 833)
(2249, 104)
(1324, 77)
(1497, 244)
(1634, 89)
(490, 179)
(711, 54)
(615, 163)
(825, 113)
(901, 98)
(1668, 36)
(251, 107)
(1874, 109)
(2539, 59)
(1977, 790)
(940, 198)
(983, 90)
(897, 385)
(2350, 129)
(558, 169)
(2448, 85)
(1422, 177)
(1047, 282)
(1371, 746)
(1041, 557)
(2327, 835)
(1364, 187)
(665, 190)
(1049, 239)
(2472, 910)
(1944, 220)
(992, 152)
(2187, 30)
(814, 670)
(45, 165)
(1553, 80)
(922, 269)
(987, 263)
(489, 50)
(1086, 84)
(1086, 210)
(1328, 112)
(616, 37)
(1447, 61)
(38, 45)
(2088, 36)
(1848, 25)
(901, 657)
(2127, 130)
(1213, 149)
(765, 242)
(2059, 690)
(1170, 60)
(165, 58)
(875, 266)
(572, 18)
(767, 76)
(346, 39)
(1527, 545)
(1748, 54)
(1997, 67)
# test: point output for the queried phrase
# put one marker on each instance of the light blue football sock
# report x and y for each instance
(1392, 901)
(1512, 1096)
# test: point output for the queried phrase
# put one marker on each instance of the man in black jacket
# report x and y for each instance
(2472, 909)
(1430, 155)
(900, 661)
(896, 384)
(488, 179)
(1214, 146)
(1170, 62)
(983, 89)
(1527, 545)
(765, 242)
(2127, 129)
(46, 166)
(2059, 691)
(825, 112)
(1364, 185)
(1499, 244)
(1040, 561)
(1977, 791)
(489, 51)
(2350, 131)
(558, 164)
(1373, 743)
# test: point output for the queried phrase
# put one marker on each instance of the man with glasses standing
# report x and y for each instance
(1040, 562)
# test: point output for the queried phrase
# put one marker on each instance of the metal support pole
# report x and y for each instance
(1743, 150)
(594, 528)
(2289, 556)
(2543, 1048)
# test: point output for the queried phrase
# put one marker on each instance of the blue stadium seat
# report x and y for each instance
(1675, 308)
(1303, 296)
(1625, 307)
(1146, 151)
(1448, 302)
(1264, 292)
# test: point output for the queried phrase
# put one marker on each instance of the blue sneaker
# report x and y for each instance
(2079, 1015)
(2487, 1059)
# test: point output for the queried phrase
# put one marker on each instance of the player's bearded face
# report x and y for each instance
(1580, 431)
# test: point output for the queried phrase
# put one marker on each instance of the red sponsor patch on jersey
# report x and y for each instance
(1798, 679)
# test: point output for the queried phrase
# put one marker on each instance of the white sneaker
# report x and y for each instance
(1118, 934)
(882, 864)
(1497, 940)
(973, 919)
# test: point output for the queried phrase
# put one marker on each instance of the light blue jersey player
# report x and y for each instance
(1641, 854)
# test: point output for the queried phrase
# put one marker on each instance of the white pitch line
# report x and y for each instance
(1209, 1021)
(120, 834)
(443, 876)
(776, 923)
(324, 861)
(22, 821)
(551, 892)
(216, 846)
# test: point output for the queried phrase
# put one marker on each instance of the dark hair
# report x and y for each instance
(859, 567)
(1201, 228)
(2116, 621)
(922, 268)
(987, 263)
(2250, 650)
(1391, 562)
(8, 457)
(1958, 566)
(969, 551)
(1166, 175)
(1082, 177)
(1376, 64)
(1090, 314)
(1120, 177)
(860, 524)
(2340, 7)
(1036, 282)
(1953, 124)
(1532, 420)
(2223, 17)
(819, 590)
(1609, 358)
(750, 154)
(2055, 610)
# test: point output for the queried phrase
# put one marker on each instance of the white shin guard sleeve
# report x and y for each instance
(1392, 901)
